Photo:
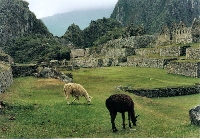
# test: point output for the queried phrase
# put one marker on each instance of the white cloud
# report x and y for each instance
(43, 8)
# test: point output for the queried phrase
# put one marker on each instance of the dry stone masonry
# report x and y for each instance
(24, 70)
(191, 69)
(138, 61)
(6, 76)
(173, 51)
(164, 92)
(6, 79)
(193, 53)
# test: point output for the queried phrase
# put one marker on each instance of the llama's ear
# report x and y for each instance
(69, 85)
(137, 116)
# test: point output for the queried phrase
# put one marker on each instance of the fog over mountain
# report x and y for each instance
(58, 24)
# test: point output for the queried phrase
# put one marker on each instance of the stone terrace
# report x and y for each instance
(176, 59)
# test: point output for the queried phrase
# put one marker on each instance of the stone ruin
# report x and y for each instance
(179, 34)
(156, 57)
(147, 51)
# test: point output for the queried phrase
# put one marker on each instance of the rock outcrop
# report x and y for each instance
(17, 20)
(154, 14)
(194, 114)
(52, 73)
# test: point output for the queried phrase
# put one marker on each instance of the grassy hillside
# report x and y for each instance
(39, 109)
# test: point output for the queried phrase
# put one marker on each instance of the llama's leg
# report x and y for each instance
(129, 119)
(123, 118)
(74, 99)
(113, 116)
(67, 97)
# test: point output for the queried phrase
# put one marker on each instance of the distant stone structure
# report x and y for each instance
(77, 53)
(180, 33)
(142, 51)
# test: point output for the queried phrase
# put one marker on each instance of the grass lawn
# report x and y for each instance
(40, 110)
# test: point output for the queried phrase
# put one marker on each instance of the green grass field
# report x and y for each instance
(40, 109)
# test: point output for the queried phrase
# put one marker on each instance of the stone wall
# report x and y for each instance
(149, 51)
(166, 92)
(88, 62)
(6, 79)
(24, 70)
(133, 42)
(147, 62)
(169, 51)
(193, 53)
(173, 51)
(117, 52)
(185, 68)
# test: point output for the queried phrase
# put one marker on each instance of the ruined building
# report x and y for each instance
(180, 33)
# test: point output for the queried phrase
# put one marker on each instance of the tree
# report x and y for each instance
(74, 35)
(97, 29)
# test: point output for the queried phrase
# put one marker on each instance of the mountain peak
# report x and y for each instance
(18, 20)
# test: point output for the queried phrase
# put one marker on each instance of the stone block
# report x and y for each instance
(193, 53)
(194, 114)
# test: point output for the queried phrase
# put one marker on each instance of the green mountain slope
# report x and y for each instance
(26, 38)
(17, 20)
(153, 14)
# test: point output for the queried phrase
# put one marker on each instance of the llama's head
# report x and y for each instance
(89, 99)
(134, 120)
(68, 87)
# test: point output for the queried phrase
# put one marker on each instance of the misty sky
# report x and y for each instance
(43, 8)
